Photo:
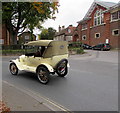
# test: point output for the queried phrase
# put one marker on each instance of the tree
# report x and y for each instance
(18, 16)
(51, 33)
(48, 34)
(44, 34)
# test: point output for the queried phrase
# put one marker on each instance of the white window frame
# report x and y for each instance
(1, 41)
(113, 32)
(69, 30)
(27, 37)
(98, 17)
(68, 38)
(84, 38)
(117, 15)
(84, 26)
(96, 35)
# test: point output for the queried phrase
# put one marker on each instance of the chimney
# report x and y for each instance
(59, 29)
(63, 27)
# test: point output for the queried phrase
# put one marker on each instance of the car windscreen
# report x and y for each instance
(30, 49)
(107, 45)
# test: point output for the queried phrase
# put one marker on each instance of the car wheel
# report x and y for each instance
(102, 49)
(43, 75)
(62, 68)
(13, 69)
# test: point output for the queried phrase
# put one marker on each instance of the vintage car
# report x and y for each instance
(44, 57)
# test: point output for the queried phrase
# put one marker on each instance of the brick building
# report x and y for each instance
(21, 39)
(100, 25)
(26, 37)
(65, 34)
(5, 39)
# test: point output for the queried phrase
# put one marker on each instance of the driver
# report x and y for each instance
(38, 53)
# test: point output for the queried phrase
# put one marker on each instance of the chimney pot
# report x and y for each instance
(59, 29)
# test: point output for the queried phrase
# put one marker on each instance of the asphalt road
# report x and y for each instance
(91, 84)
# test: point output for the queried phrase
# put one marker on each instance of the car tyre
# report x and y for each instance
(43, 75)
(13, 69)
(102, 49)
(62, 68)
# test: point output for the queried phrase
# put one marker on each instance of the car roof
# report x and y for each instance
(39, 43)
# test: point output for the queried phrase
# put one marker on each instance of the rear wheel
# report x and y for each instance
(43, 75)
(13, 69)
(62, 68)
(102, 49)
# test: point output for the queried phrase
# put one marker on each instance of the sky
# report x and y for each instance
(70, 12)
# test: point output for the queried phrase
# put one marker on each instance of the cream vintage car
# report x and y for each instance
(44, 57)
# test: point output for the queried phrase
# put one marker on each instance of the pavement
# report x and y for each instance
(15, 99)
(18, 100)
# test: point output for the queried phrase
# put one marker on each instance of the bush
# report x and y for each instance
(6, 52)
(76, 50)
(79, 51)
(9, 47)
(75, 44)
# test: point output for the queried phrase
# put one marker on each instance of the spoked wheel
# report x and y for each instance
(43, 75)
(62, 69)
(13, 69)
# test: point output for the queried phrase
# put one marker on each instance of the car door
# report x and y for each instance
(34, 61)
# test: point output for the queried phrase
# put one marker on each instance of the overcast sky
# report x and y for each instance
(70, 12)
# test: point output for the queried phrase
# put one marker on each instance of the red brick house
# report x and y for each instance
(5, 36)
(26, 37)
(21, 39)
(65, 34)
(100, 25)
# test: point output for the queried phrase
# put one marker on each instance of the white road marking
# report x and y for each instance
(47, 101)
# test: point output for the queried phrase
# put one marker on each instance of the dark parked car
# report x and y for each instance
(102, 47)
(86, 46)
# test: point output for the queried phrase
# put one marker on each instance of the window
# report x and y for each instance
(97, 35)
(84, 26)
(1, 41)
(99, 17)
(115, 15)
(115, 32)
(27, 37)
(69, 31)
(69, 38)
(118, 14)
(84, 37)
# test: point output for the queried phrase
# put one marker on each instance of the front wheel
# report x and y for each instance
(13, 69)
(43, 75)
(62, 68)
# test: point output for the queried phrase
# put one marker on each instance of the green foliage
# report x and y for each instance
(44, 34)
(75, 44)
(79, 51)
(76, 50)
(13, 52)
(47, 34)
(20, 15)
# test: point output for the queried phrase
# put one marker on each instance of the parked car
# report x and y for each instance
(44, 57)
(86, 46)
(102, 47)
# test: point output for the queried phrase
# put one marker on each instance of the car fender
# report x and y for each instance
(49, 67)
(68, 65)
(17, 63)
